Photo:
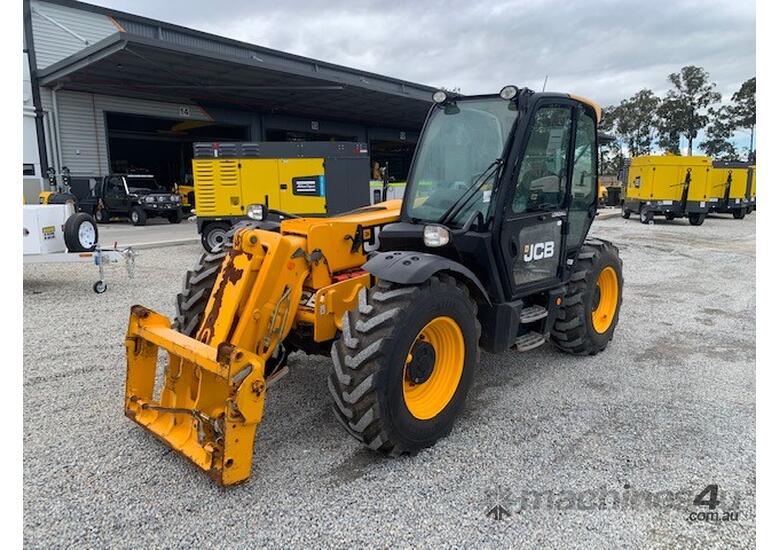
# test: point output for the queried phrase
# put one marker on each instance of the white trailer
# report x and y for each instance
(54, 233)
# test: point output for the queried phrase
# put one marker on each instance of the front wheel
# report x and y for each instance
(404, 363)
(739, 214)
(137, 216)
(591, 306)
(175, 216)
(626, 212)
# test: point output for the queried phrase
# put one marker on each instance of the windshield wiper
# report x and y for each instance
(470, 191)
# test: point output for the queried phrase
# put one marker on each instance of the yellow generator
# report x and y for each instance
(731, 188)
(671, 185)
(753, 189)
(301, 178)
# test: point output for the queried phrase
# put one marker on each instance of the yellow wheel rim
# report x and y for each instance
(605, 307)
(438, 345)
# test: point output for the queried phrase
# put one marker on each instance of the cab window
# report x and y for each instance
(115, 186)
(541, 180)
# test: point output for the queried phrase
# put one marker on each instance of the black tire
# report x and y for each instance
(645, 214)
(696, 218)
(192, 300)
(102, 215)
(176, 216)
(81, 233)
(99, 287)
(739, 214)
(214, 235)
(369, 359)
(669, 216)
(573, 330)
(137, 216)
(626, 212)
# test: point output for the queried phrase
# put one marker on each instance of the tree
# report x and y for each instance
(669, 124)
(633, 121)
(743, 111)
(692, 94)
(718, 143)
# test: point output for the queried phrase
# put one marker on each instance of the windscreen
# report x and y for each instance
(142, 183)
(459, 143)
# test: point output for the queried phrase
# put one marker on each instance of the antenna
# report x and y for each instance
(544, 86)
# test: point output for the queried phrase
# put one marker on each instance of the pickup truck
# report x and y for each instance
(135, 196)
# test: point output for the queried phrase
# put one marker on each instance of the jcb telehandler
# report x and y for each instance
(487, 250)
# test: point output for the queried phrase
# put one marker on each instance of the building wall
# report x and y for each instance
(83, 142)
(60, 31)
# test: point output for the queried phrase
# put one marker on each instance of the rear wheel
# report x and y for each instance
(645, 214)
(404, 363)
(626, 212)
(739, 214)
(102, 215)
(591, 306)
(696, 218)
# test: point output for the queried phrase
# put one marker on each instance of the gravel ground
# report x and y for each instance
(669, 406)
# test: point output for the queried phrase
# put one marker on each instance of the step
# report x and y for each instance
(529, 341)
(532, 313)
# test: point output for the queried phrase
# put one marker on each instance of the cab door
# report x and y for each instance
(532, 233)
(584, 179)
(115, 195)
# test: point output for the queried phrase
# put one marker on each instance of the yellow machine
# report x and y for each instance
(753, 189)
(304, 178)
(223, 360)
(401, 295)
(731, 188)
(674, 186)
(187, 194)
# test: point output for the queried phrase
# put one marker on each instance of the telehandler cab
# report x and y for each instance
(487, 250)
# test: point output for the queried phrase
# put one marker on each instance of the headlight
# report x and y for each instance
(439, 96)
(256, 211)
(176, 198)
(508, 92)
(435, 235)
(148, 199)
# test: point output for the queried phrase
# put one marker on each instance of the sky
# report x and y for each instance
(603, 49)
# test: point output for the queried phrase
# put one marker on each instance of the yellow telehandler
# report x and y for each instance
(487, 249)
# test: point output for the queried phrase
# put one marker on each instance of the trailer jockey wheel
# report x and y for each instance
(99, 287)
(645, 214)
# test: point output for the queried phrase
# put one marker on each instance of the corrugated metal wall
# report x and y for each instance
(53, 42)
(83, 128)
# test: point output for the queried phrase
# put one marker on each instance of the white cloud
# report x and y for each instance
(604, 49)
